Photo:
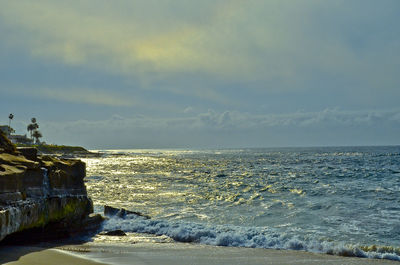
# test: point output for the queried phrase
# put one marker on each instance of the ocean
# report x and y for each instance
(336, 200)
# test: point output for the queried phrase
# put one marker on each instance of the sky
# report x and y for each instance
(202, 74)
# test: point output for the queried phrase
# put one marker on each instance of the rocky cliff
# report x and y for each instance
(40, 192)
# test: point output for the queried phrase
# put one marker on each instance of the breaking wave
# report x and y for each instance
(251, 237)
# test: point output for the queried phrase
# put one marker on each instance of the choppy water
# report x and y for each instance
(343, 200)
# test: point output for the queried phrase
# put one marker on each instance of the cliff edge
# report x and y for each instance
(40, 193)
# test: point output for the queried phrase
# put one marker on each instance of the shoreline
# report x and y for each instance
(29, 255)
(167, 253)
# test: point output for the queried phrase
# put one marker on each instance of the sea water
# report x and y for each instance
(336, 200)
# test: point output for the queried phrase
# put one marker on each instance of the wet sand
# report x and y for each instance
(23, 255)
(168, 253)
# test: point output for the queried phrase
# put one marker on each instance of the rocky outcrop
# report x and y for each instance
(40, 192)
(5, 145)
(110, 211)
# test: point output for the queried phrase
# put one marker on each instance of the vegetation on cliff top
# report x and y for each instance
(10, 147)
(56, 149)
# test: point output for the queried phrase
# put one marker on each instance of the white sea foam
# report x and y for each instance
(236, 236)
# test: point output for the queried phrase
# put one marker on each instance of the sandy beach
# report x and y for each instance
(24, 255)
(167, 253)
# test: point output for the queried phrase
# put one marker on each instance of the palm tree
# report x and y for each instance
(30, 128)
(37, 134)
(10, 117)
(33, 126)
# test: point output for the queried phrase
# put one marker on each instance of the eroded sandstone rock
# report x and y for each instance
(40, 192)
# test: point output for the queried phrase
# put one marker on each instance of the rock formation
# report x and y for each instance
(41, 192)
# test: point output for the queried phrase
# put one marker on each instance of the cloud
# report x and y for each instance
(232, 128)
(85, 96)
(188, 110)
(328, 118)
(99, 36)
(212, 120)
(210, 54)
(282, 42)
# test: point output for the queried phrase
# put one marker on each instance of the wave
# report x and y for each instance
(251, 237)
